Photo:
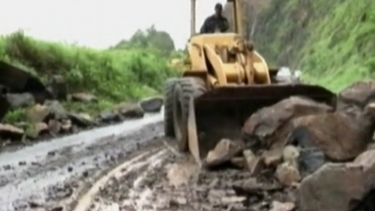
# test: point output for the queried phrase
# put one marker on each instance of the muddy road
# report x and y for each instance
(129, 166)
(52, 175)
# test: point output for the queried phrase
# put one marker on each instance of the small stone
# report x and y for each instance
(273, 157)
(238, 162)
(278, 206)
(287, 174)
(253, 164)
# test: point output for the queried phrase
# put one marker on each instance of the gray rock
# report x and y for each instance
(153, 104)
(20, 100)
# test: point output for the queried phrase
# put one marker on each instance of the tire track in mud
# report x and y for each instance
(165, 180)
(55, 180)
(122, 170)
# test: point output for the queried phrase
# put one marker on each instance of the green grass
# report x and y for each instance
(112, 75)
(331, 41)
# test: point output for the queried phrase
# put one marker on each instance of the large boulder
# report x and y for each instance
(341, 137)
(344, 186)
(108, 116)
(130, 110)
(11, 132)
(81, 119)
(223, 152)
(84, 97)
(20, 100)
(17, 80)
(43, 113)
(57, 109)
(271, 125)
(153, 104)
(38, 113)
(358, 94)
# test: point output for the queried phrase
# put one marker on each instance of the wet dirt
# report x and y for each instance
(129, 166)
(161, 179)
(51, 175)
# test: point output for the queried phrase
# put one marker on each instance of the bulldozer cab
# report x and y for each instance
(237, 17)
(224, 83)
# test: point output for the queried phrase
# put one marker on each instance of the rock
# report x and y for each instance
(310, 160)
(38, 113)
(10, 132)
(254, 164)
(20, 100)
(17, 80)
(38, 129)
(4, 106)
(130, 110)
(59, 87)
(358, 94)
(288, 174)
(153, 104)
(84, 97)
(291, 154)
(57, 110)
(81, 119)
(66, 125)
(224, 151)
(252, 185)
(273, 157)
(278, 206)
(341, 186)
(338, 135)
(54, 126)
(271, 125)
(109, 116)
(239, 162)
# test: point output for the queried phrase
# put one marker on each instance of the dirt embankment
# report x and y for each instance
(37, 110)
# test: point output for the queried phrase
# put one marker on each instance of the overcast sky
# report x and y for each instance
(100, 23)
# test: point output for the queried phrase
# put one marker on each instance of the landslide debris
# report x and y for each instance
(303, 155)
(295, 155)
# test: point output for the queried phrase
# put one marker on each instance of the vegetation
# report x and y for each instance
(330, 41)
(130, 70)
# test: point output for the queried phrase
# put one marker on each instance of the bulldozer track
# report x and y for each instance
(86, 201)
(161, 179)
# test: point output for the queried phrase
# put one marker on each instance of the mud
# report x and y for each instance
(165, 180)
(130, 166)
(51, 175)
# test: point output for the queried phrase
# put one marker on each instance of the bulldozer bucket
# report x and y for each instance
(221, 112)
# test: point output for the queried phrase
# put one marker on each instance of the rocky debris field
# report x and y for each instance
(297, 155)
(45, 115)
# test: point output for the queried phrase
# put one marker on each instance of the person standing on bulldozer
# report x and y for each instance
(215, 22)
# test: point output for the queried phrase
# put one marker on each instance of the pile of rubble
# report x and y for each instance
(51, 118)
(45, 115)
(303, 155)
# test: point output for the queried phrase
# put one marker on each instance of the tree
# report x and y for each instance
(149, 38)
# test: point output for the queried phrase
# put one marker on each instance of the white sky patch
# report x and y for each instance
(100, 23)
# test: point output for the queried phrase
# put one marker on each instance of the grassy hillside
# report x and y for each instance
(331, 41)
(112, 75)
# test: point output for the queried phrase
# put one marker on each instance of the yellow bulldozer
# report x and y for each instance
(225, 82)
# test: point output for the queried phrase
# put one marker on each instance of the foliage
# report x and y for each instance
(152, 39)
(112, 75)
(330, 41)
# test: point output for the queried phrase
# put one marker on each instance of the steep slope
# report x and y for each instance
(330, 41)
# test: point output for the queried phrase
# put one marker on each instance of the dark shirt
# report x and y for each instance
(213, 22)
